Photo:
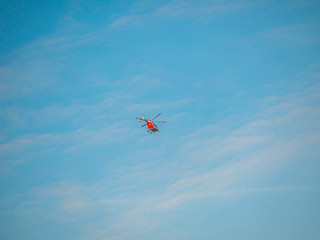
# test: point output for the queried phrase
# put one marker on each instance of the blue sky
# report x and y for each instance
(237, 82)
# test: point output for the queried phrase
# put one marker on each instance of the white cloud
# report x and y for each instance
(297, 35)
(181, 9)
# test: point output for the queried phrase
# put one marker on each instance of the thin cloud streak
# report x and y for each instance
(285, 36)
(180, 9)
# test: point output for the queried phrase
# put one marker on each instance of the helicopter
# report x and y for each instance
(151, 124)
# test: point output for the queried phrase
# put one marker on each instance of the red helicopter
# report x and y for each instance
(151, 124)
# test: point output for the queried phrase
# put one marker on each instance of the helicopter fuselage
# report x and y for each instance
(152, 127)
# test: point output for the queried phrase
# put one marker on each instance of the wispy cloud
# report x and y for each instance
(268, 190)
(180, 9)
(288, 35)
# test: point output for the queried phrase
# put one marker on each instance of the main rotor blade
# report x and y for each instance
(156, 116)
(160, 121)
(144, 125)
